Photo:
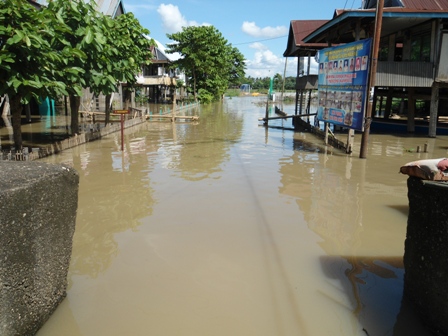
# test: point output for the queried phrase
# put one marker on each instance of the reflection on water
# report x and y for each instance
(224, 227)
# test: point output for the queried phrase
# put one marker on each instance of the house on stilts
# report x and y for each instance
(412, 71)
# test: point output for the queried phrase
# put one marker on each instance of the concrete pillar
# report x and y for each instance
(426, 253)
(38, 203)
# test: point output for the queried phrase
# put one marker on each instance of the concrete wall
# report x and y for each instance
(38, 205)
(426, 252)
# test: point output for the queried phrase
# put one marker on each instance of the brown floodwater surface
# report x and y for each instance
(224, 227)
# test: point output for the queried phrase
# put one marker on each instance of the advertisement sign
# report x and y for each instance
(343, 81)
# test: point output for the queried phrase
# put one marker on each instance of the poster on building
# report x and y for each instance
(343, 82)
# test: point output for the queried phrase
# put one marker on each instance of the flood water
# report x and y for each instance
(225, 227)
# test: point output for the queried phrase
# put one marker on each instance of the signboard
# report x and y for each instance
(343, 81)
(121, 111)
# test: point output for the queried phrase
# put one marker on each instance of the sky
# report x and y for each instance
(259, 29)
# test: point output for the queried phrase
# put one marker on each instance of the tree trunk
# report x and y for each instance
(107, 118)
(75, 102)
(16, 112)
(127, 99)
(194, 87)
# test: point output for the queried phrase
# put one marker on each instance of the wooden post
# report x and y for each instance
(433, 111)
(411, 110)
(374, 64)
(266, 114)
(388, 108)
(122, 131)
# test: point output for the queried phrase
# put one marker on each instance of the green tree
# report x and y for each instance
(29, 66)
(209, 62)
(114, 50)
(127, 51)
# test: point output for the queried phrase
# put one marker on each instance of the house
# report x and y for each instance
(413, 58)
(296, 47)
(158, 80)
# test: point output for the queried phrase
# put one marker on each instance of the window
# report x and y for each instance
(383, 53)
(421, 47)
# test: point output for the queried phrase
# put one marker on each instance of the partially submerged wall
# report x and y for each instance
(38, 205)
(426, 252)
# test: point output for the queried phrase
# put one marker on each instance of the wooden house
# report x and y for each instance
(305, 81)
(159, 80)
(413, 56)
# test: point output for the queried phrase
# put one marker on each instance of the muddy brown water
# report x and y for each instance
(224, 227)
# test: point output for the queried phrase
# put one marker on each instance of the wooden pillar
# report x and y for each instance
(297, 89)
(308, 107)
(301, 102)
(381, 105)
(375, 97)
(433, 115)
(388, 107)
(411, 110)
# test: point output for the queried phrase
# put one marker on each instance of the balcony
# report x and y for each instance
(157, 80)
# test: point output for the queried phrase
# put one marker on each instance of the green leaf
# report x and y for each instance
(14, 39)
(27, 41)
(89, 35)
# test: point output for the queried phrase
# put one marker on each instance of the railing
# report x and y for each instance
(158, 80)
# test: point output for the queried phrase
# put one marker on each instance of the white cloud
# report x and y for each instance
(252, 29)
(139, 7)
(265, 63)
(173, 20)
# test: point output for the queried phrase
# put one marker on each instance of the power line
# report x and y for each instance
(274, 38)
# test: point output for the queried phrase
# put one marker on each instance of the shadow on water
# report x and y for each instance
(401, 208)
(374, 286)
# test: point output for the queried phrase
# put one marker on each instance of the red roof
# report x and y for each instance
(426, 4)
(297, 31)
(302, 28)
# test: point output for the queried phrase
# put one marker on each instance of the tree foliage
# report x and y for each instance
(262, 83)
(63, 48)
(114, 49)
(29, 65)
(210, 63)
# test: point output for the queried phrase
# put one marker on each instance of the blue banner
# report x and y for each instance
(343, 82)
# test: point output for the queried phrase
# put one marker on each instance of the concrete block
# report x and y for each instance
(38, 203)
(426, 252)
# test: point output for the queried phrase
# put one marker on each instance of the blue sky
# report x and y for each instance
(259, 29)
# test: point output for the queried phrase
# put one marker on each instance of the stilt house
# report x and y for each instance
(413, 58)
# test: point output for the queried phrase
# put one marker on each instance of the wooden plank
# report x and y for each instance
(287, 116)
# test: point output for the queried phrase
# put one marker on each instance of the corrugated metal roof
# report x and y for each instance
(108, 7)
(411, 4)
(426, 4)
(302, 28)
(390, 16)
(297, 31)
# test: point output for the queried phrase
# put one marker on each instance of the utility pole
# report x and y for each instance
(372, 78)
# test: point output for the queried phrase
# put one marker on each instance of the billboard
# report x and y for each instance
(343, 82)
